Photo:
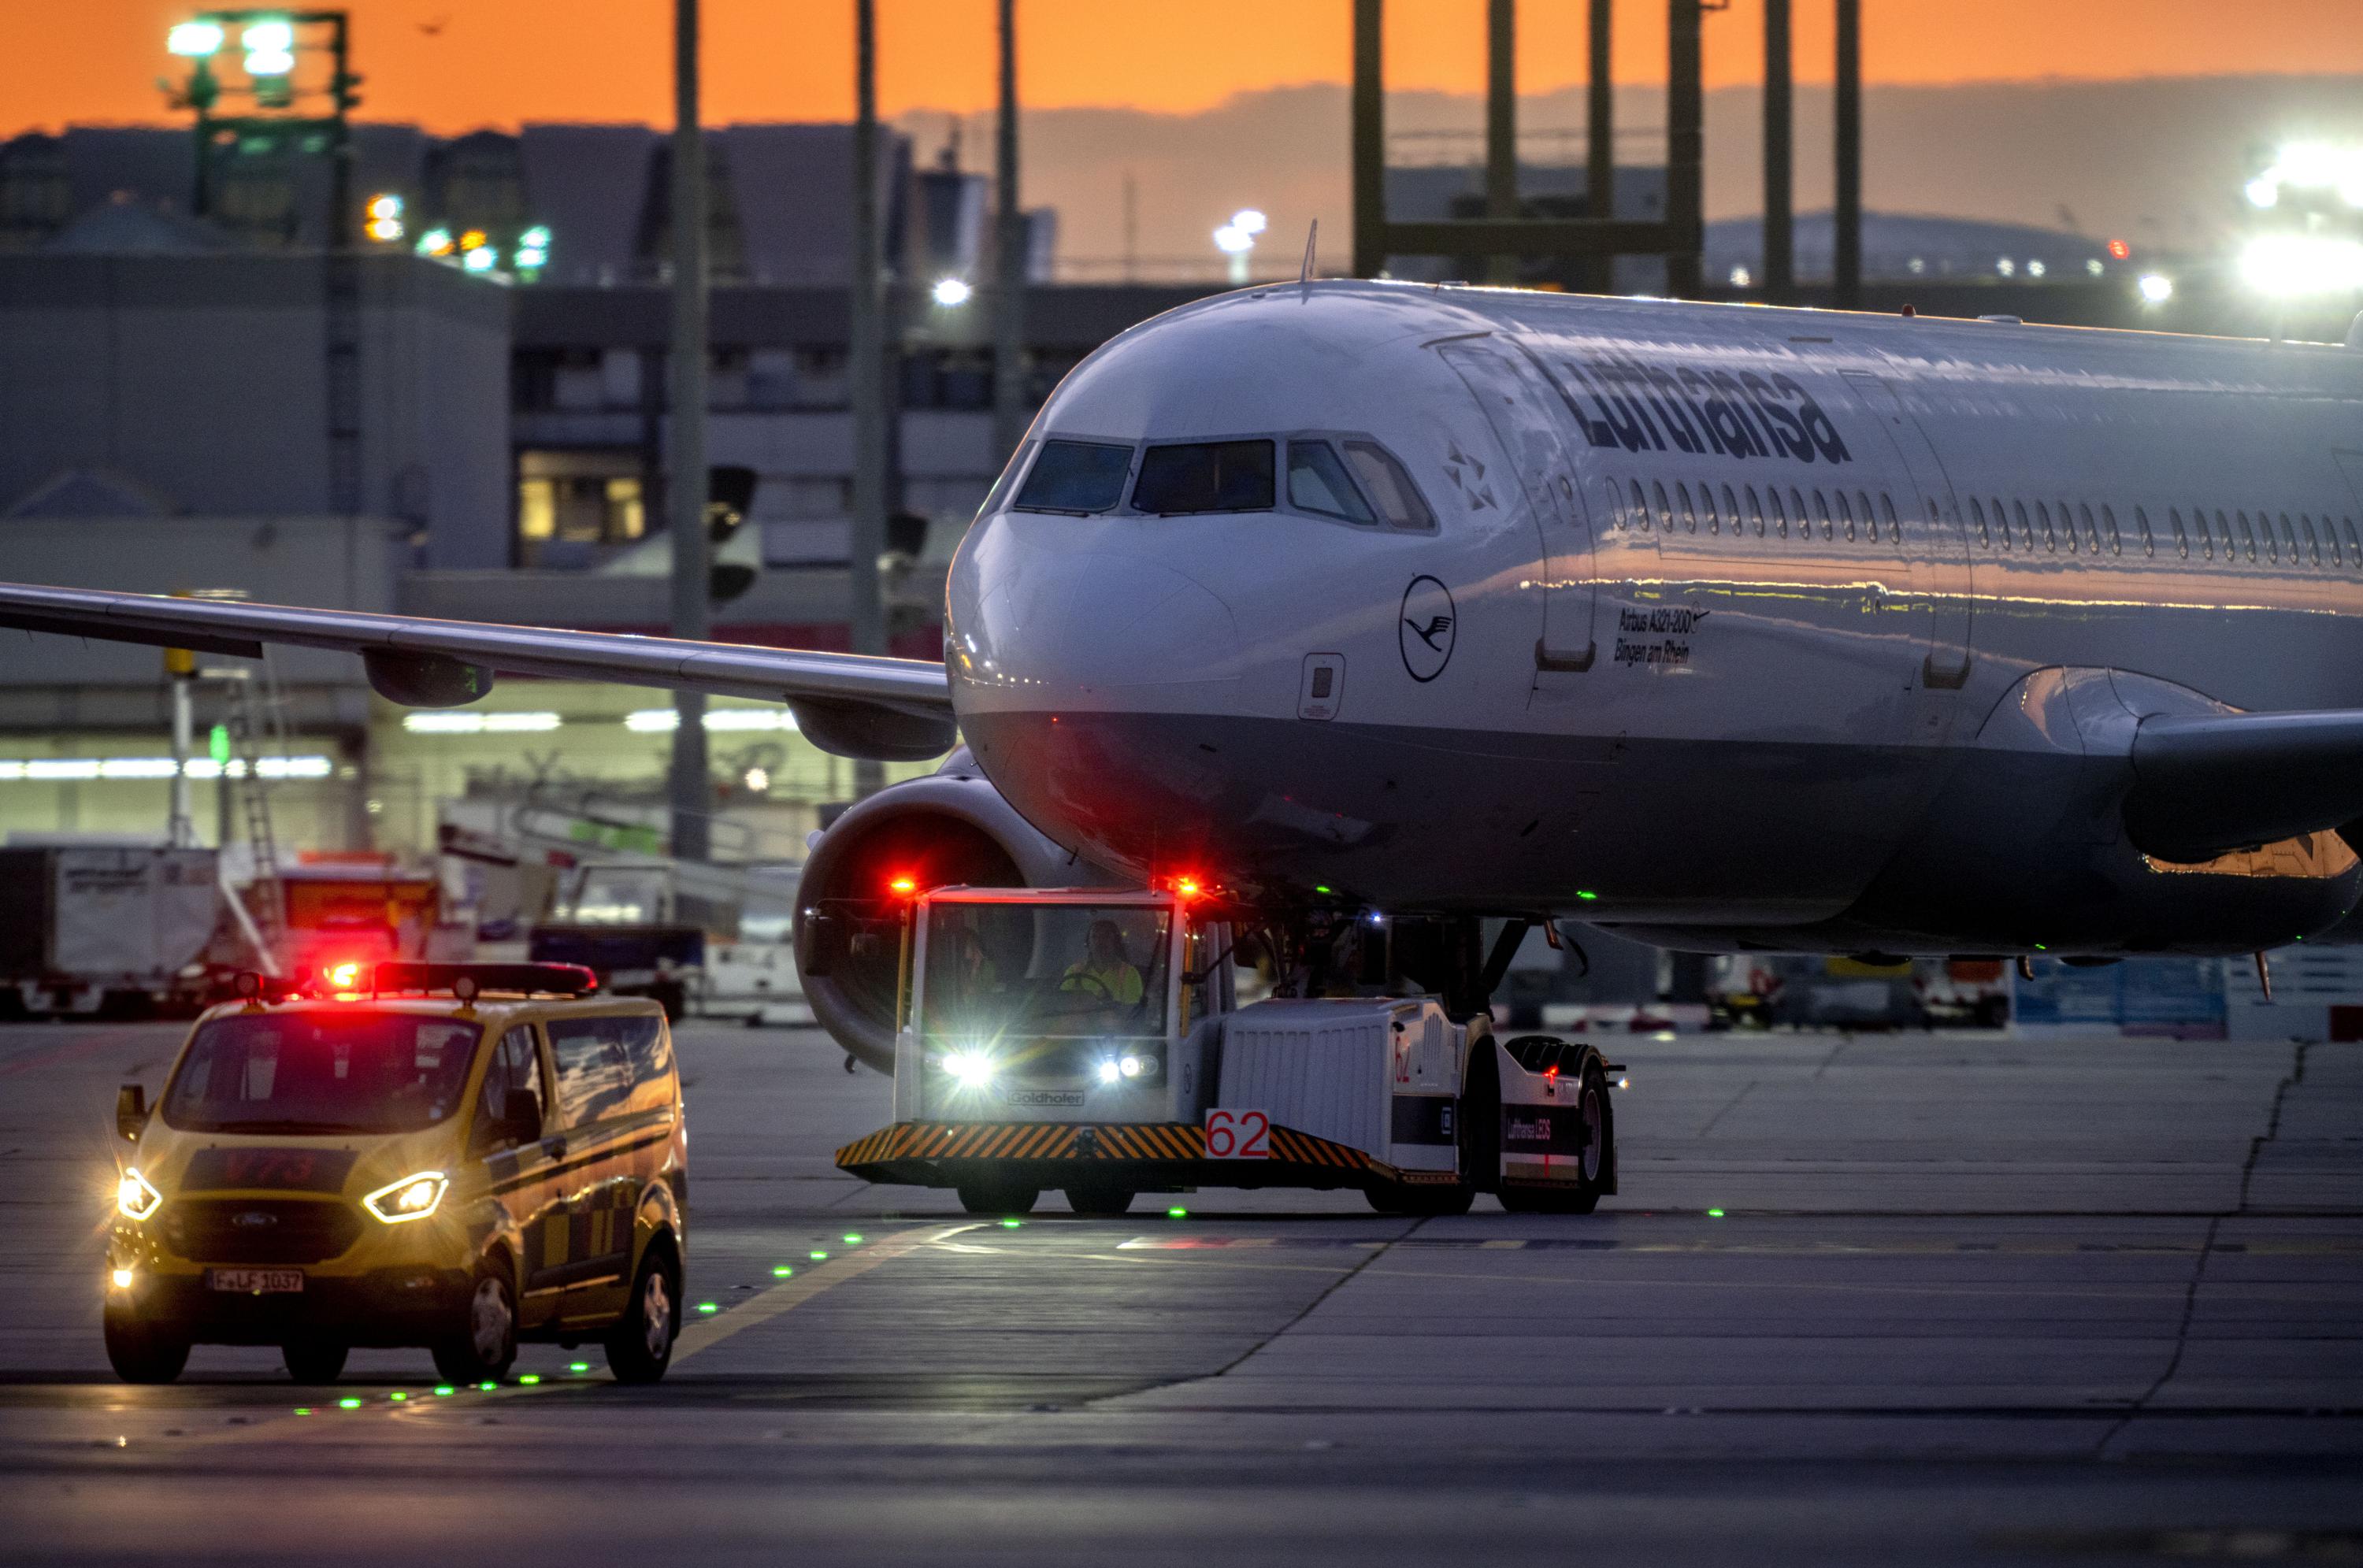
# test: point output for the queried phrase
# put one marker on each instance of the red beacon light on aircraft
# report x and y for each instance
(903, 887)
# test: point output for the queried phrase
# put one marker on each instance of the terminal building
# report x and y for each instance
(463, 423)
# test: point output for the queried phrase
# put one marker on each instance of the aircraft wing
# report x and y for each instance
(852, 704)
(2206, 784)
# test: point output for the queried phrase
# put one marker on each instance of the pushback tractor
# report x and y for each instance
(1092, 1041)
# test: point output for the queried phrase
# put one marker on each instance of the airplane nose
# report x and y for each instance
(1038, 625)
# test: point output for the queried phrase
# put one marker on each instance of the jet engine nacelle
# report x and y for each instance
(950, 829)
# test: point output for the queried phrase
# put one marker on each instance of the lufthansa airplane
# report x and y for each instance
(1724, 627)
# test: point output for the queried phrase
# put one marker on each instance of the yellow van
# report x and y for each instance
(457, 1156)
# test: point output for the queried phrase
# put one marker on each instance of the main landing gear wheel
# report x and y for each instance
(640, 1347)
(486, 1342)
(314, 1363)
(1596, 1166)
(998, 1194)
(142, 1351)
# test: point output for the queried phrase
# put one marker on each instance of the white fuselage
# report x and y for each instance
(1721, 612)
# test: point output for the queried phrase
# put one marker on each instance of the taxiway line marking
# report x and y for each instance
(788, 1295)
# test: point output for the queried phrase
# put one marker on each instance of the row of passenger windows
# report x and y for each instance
(1346, 479)
(2015, 527)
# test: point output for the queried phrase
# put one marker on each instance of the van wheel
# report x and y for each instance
(1097, 1202)
(484, 1342)
(988, 1195)
(143, 1352)
(640, 1347)
(1597, 1166)
(315, 1362)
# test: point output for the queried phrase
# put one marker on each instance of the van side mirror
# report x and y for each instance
(823, 943)
(520, 1116)
(130, 1112)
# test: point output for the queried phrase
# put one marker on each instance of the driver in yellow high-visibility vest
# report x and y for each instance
(1103, 969)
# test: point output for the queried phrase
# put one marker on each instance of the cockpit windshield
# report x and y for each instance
(1078, 477)
(1019, 973)
(1206, 476)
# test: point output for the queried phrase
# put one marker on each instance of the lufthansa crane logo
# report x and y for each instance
(1426, 628)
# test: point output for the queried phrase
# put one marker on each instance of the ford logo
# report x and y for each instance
(253, 1219)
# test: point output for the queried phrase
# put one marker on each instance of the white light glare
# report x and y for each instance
(268, 37)
(1247, 221)
(971, 1069)
(49, 769)
(2156, 288)
(663, 720)
(482, 258)
(194, 41)
(480, 724)
(1110, 1072)
(1233, 240)
(121, 1278)
(2302, 264)
(412, 1198)
(1133, 1066)
(2263, 190)
(135, 1197)
(952, 293)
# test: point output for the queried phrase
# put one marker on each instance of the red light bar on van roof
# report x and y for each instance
(542, 979)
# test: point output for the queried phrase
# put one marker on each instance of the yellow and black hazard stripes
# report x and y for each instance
(1304, 1149)
(1153, 1141)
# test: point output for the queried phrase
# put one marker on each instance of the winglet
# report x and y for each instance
(1312, 235)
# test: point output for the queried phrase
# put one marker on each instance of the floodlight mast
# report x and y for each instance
(268, 60)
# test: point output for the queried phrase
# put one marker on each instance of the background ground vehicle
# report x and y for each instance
(369, 1163)
(1020, 1065)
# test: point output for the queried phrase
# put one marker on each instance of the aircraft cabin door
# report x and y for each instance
(1522, 410)
(1935, 544)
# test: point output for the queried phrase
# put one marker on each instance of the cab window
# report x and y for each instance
(1318, 483)
(1206, 476)
(595, 1071)
(1388, 486)
(1075, 477)
(516, 1068)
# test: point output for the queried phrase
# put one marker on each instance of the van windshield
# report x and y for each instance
(324, 1070)
(1038, 971)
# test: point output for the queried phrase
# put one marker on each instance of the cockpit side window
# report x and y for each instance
(1318, 483)
(1206, 476)
(1075, 477)
(1389, 488)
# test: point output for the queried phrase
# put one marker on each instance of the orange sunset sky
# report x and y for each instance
(454, 65)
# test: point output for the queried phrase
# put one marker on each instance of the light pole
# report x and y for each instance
(866, 348)
(1009, 267)
(691, 792)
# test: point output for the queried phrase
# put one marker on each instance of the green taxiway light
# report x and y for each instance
(487, 1386)
(818, 1257)
(577, 1366)
(397, 1395)
(1586, 896)
(1009, 1224)
(302, 1409)
(853, 1239)
(781, 1271)
(1714, 1213)
(2040, 948)
(349, 1404)
(531, 1378)
(707, 1307)
(444, 1391)
(1319, 888)
(1177, 1214)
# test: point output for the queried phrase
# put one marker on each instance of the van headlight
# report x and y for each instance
(412, 1198)
(134, 1197)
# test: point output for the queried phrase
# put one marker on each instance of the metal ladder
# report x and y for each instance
(251, 717)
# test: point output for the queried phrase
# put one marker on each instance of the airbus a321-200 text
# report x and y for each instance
(1725, 628)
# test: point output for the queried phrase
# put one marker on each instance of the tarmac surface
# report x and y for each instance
(1949, 1299)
